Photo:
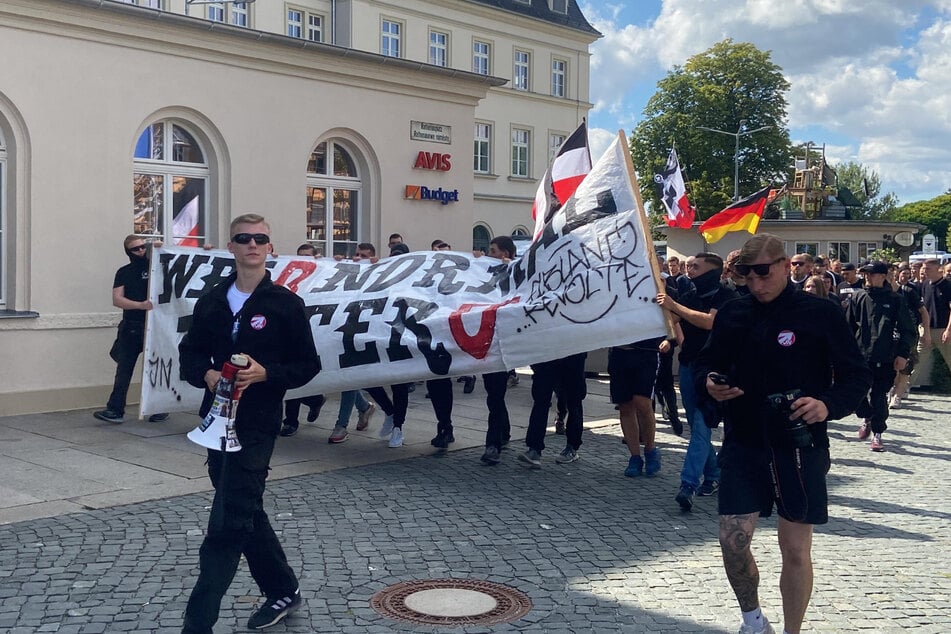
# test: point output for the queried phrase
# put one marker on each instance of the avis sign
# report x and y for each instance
(433, 161)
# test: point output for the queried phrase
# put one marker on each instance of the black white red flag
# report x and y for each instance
(569, 167)
(673, 194)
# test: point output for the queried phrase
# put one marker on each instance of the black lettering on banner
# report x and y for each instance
(350, 274)
(391, 273)
(323, 311)
(499, 279)
(175, 277)
(184, 323)
(528, 260)
(354, 326)
(437, 358)
(160, 372)
(445, 265)
(575, 218)
(220, 270)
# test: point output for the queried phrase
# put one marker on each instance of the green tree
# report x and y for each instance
(730, 87)
(866, 186)
(935, 214)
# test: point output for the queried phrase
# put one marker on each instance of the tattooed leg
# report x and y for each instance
(736, 534)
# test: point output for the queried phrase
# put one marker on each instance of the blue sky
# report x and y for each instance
(871, 80)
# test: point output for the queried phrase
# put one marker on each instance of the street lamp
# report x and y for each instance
(736, 152)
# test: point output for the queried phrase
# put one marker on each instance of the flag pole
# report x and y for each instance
(646, 230)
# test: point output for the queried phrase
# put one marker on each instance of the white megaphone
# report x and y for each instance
(216, 430)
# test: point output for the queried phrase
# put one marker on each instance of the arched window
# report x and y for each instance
(3, 222)
(520, 232)
(170, 185)
(334, 229)
(481, 238)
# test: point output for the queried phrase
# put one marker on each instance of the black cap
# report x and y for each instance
(398, 249)
(875, 267)
(848, 266)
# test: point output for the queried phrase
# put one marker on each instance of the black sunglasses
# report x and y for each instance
(246, 238)
(761, 270)
(141, 247)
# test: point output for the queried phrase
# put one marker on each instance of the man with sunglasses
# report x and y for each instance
(130, 290)
(246, 314)
(781, 363)
(801, 264)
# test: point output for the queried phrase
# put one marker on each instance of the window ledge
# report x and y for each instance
(18, 314)
(485, 175)
(522, 179)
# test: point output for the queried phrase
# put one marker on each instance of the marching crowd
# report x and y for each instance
(773, 346)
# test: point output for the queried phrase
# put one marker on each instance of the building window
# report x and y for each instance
(865, 250)
(216, 12)
(438, 48)
(555, 141)
(235, 13)
(152, 4)
(559, 71)
(520, 75)
(335, 229)
(840, 251)
(239, 13)
(520, 152)
(812, 248)
(560, 6)
(390, 38)
(481, 54)
(481, 238)
(482, 163)
(3, 222)
(296, 21)
(170, 185)
(520, 232)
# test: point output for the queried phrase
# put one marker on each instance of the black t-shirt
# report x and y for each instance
(845, 289)
(695, 337)
(937, 296)
(135, 278)
(913, 301)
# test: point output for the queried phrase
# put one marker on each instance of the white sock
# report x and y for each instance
(753, 618)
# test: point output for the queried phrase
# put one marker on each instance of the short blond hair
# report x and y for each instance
(248, 219)
(759, 244)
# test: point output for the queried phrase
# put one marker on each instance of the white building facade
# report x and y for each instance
(341, 121)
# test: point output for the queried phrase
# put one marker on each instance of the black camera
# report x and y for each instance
(795, 432)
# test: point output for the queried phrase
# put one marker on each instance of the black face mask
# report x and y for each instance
(139, 256)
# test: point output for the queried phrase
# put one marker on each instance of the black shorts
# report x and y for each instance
(747, 484)
(633, 373)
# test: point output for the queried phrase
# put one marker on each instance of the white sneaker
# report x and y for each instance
(387, 428)
(766, 628)
(396, 440)
(895, 402)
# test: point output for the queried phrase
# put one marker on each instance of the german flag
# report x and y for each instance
(742, 215)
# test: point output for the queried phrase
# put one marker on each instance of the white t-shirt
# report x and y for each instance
(236, 299)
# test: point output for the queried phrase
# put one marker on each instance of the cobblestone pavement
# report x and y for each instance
(595, 551)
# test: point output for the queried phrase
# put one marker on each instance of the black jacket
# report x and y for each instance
(876, 316)
(280, 339)
(797, 341)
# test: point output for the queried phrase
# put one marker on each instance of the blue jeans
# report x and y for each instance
(347, 400)
(701, 458)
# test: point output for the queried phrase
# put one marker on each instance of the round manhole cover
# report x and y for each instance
(451, 602)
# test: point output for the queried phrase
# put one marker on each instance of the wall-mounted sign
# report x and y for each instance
(905, 238)
(928, 243)
(419, 192)
(433, 161)
(430, 132)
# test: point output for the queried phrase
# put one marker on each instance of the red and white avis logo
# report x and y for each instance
(258, 322)
(786, 338)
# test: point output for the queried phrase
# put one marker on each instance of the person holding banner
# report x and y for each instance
(130, 292)
(250, 315)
